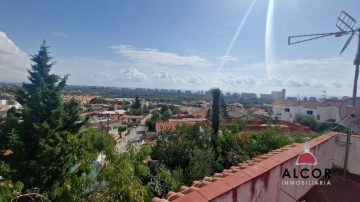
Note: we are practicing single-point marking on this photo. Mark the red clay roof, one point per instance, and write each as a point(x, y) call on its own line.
point(220, 183)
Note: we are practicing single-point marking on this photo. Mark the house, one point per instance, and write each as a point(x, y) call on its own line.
point(108, 126)
point(7, 104)
point(326, 111)
point(144, 103)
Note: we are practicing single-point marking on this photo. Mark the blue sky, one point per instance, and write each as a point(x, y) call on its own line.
point(237, 45)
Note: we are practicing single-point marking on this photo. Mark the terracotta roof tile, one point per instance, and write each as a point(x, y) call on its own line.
point(237, 179)
point(268, 164)
point(255, 170)
point(216, 189)
point(193, 196)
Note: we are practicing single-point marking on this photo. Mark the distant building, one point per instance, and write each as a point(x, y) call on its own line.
point(291, 98)
point(236, 95)
point(228, 94)
point(265, 96)
point(333, 98)
point(278, 95)
point(248, 95)
point(312, 99)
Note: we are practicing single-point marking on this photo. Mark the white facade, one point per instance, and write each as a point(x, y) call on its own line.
point(322, 112)
point(5, 104)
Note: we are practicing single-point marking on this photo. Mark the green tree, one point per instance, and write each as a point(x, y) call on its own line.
point(200, 164)
point(45, 143)
point(98, 100)
point(306, 121)
point(215, 115)
point(137, 104)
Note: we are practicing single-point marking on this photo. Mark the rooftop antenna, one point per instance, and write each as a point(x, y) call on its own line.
point(345, 23)
point(324, 95)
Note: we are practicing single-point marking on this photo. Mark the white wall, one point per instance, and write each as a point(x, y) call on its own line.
point(354, 154)
point(326, 113)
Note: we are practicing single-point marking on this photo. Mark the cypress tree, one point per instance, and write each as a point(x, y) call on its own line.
point(224, 113)
point(215, 115)
point(137, 104)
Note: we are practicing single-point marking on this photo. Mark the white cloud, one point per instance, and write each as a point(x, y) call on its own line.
point(154, 56)
point(296, 81)
point(58, 33)
point(197, 80)
point(239, 81)
point(134, 75)
point(227, 58)
point(13, 61)
point(164, 77)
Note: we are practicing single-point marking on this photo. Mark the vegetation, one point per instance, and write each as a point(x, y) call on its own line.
point(44, 151)
point(98, 100)
point(189, 151)
point(215, 114)
point(136, 104)
point(316, 126)
point(164, 114)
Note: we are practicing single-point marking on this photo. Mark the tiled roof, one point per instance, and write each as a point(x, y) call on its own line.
point(217, 185)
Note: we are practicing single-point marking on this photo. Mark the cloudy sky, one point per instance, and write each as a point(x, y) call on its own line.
point(237, 45)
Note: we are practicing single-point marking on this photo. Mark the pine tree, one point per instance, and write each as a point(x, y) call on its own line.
point(47, 124)
point(51, 153)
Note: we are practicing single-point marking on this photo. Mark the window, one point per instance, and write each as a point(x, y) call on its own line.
point(317, 117)
point(309, 112)
point(290, 115)
point(287, 109)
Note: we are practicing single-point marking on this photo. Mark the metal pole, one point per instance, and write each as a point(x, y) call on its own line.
point(348, 138)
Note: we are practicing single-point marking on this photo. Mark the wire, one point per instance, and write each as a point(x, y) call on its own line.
point(338, 124)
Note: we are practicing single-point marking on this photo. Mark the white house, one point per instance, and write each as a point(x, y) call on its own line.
point(7, 104)
point(326, 111)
